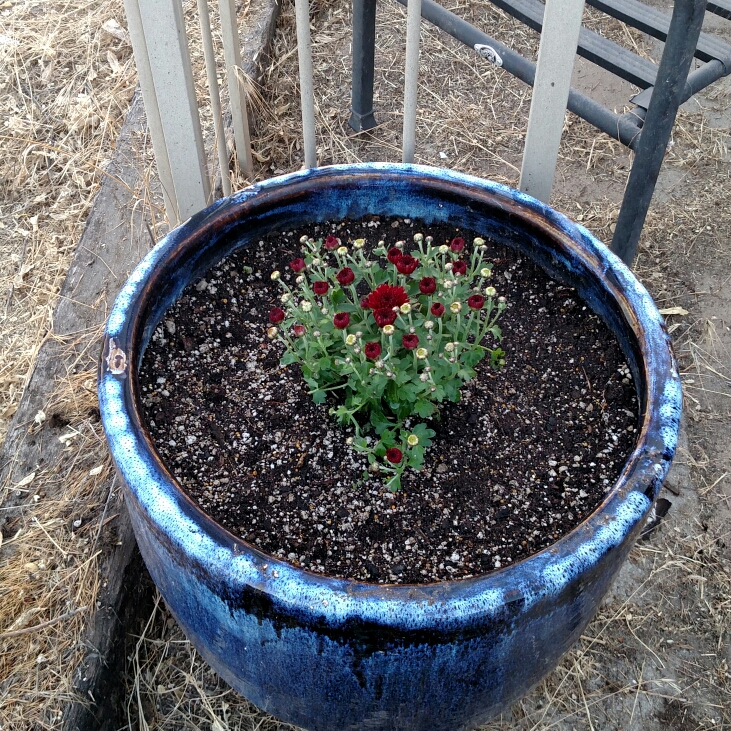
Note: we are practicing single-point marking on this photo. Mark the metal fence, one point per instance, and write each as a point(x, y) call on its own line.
point(161, 51)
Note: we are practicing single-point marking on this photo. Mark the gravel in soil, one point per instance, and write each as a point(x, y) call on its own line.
point(525, 455)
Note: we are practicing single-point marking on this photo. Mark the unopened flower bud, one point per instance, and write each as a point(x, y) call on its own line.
point(452, 360)
point(427, 369)
point(389, 330)
point(274, 275)
point(443, 249)
point(405, 308)
point(379, 364)
point(316, 262)
point(448, 266)
point(359, 243)
point(303, 239)
point(501, 300)
point(356, 349)
point(432, 389)
point(418, 237)
point(455, 307)
point(342, 250)
point(349, 441)
point(374, 468)
point(399, 244)
point(429, 239)
point(316, 333)
point(359, 334)
point(412, 440)
point(490, 291)
point(286, 297)
point(486, 272)
point(449, 347)
point(300, 279)
point(424, 377)
point(350, 339)
point(428, 325)
point(306, 305)
point(272, 332)
point(348, 360)
point(477, 241)
point(422, 353)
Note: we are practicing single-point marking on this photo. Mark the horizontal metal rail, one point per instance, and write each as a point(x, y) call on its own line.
point(617, 126)
point(595, 48)
point(720, 7)
point(656, 24)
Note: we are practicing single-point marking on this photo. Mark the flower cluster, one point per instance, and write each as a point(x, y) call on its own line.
point(397, 332)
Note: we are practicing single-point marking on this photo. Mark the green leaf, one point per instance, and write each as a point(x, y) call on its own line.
point(424, 409)
point(394, 484)
point(497, 358)
point(319, 397)
point(288, 357)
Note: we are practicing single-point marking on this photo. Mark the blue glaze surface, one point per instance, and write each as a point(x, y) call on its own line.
point(328, 653)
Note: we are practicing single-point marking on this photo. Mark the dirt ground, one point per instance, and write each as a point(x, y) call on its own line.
point(657, 655)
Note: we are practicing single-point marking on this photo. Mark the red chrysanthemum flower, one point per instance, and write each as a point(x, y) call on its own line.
point(345, 276)
point(372, 350)
point(406, 264)
point(394, 255)
point(320, 287)
point(297, 265)
point(409, 341)
point(298, 330)
point(341, 320)
point(437, 309)
point(384, 317)
point(364, 303)
point(459, 267)
point(276, 315)
point(394, 455)
point(387, 296)
point(331, 242)
point(428, 285)
point(476, 301)
point(457, 244)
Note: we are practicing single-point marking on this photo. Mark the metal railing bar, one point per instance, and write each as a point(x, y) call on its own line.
point(236, 90)
point(411, 80)
point(307, 92)
point(685, 27)
point(210, 58)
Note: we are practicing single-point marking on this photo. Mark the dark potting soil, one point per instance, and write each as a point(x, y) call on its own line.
point(525, 456)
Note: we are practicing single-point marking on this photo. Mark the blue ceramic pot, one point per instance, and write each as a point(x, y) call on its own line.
point(330, 654)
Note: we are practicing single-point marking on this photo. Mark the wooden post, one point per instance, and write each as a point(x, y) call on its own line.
point(307, 93)
point(210, 56)
point(152, 110)
point(236, 90)
point(166, 48)
point(411, 81)
point(556, 53)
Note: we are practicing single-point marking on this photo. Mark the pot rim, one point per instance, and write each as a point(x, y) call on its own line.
point(185, 527)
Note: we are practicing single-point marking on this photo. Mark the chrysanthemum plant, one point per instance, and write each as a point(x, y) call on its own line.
point(395, 332)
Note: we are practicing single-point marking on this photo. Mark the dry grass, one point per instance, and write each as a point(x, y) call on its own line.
point(631, 669)
point(68, 80)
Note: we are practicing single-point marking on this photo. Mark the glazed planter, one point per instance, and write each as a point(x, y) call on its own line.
point(331, 654)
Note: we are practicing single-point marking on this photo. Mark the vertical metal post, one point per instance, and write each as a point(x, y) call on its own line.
point(685, 27)
point(307, 93)
point(167, 49)
point(236, 91)
point(152, 110)
point(556, 54)
point(364, 45)
point(210, 56)
point(411, 82)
